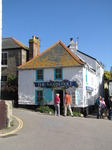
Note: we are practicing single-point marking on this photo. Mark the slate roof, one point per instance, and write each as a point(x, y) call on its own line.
point(58, 55)
point(12, 43)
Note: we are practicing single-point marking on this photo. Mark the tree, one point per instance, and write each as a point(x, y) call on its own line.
point(107, 75)
point(10, 90)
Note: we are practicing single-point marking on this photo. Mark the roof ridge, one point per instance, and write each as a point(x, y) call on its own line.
point(64, 46)
point(39, 55)
point(6, 37)
point(20, 43)
point(73, 55)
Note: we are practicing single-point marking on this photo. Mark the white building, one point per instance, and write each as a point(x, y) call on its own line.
point(59, 69)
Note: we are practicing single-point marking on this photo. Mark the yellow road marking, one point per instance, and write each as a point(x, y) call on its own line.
point(17, 129)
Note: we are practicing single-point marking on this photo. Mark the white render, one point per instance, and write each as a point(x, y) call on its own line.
point(89, 77)
point(27, 88)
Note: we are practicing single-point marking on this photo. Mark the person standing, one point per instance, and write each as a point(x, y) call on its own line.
point(67, 104)
point(57, 105)
point(110, 108)
point(103, 107)
point(98, 107)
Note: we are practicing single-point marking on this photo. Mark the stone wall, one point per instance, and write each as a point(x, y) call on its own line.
point(9, 117)
point(6, 116)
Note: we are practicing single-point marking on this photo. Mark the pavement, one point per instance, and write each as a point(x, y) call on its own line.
point(18, 124)
point(41, 131)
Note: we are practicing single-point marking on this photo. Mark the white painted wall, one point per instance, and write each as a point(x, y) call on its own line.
point(26, 88)
point(89, 96)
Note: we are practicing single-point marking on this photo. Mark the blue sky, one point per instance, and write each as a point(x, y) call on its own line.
point(53, 20)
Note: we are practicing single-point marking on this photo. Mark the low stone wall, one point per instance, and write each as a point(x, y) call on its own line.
point(6, 117)
point(9, 117)
point(2, 114)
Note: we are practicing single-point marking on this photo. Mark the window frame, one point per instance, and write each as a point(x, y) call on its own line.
point(3, 77)
point(39, 99)
point(37, 75)
point(6, 59)
point(58, 74)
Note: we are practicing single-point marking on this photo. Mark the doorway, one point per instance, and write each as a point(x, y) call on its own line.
point(60, 92)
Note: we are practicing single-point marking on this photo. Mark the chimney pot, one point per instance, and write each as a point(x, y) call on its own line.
point(34, 47)
point(71, 39)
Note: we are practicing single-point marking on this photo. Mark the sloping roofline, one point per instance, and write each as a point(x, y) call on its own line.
point(17, 42)
point(90, 57)
point(65, 47)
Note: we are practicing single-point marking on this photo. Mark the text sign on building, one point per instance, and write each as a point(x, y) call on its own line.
point(55, 84)
point(88, 88)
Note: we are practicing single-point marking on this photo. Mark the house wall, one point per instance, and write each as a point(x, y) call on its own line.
point(27, 89)
point(24, 56)
point(14, 60)
point(82, 75)
point(16, 57)
point(99, 80)
point(89, 81)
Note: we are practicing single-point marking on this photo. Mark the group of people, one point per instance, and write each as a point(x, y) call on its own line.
point(101, 107)
point(67, 104)
point(100, 103)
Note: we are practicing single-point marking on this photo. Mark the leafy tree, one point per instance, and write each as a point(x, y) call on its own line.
point(107, 75)
point(10, 90)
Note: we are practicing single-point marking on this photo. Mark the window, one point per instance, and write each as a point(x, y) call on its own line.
point(4, 78)
point(39, 74)
point(39, 97)
point(4, 58)
point(58, 74)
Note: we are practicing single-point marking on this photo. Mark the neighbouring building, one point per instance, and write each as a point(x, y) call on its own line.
point(14, 54)
point(59, 69)
point(110, 83)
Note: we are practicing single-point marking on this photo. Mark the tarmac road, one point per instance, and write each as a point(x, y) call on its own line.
point(45, 132)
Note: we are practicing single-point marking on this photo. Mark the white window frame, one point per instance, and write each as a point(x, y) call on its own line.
point(7, 60)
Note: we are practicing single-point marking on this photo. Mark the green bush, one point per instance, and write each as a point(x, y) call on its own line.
point(45, 109)
point(78, 114)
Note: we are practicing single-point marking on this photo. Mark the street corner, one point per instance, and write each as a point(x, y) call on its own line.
point(18, 124)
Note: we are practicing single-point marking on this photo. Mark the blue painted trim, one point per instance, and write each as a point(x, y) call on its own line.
point(36, 101)
point(86, 76)
point(35, 74)
point(55, 74)
point(48, 94)
point(42, 75)
point(35, 96)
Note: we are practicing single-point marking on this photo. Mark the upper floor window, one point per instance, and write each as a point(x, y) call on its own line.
point(4, 58)
point(39, 74)
point(58, 74)
point(4, 78)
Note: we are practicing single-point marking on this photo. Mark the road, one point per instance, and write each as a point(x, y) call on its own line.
point(46, 132)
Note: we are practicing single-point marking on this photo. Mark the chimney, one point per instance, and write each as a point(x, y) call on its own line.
point(34, 47)
point(73, 45)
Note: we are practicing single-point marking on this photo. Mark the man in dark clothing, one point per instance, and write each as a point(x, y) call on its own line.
point(98, 107)
point(110, 108)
